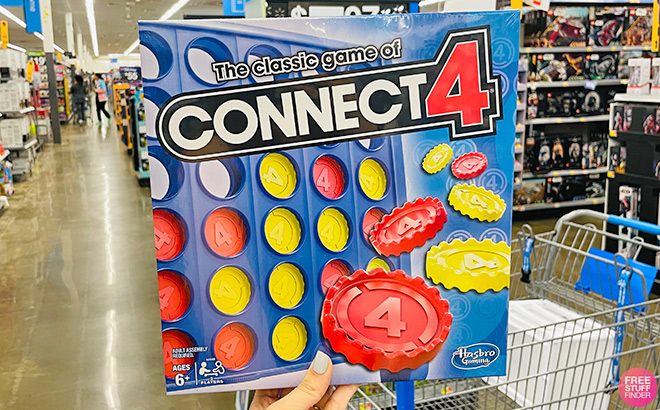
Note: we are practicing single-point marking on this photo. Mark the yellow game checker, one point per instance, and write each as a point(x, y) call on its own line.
point(477, 202)
point(437, 158)
point(470, 265)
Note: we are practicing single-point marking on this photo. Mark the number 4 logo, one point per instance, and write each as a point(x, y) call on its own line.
point(465, 93)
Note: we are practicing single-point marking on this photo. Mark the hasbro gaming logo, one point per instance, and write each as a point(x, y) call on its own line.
point(475, 356)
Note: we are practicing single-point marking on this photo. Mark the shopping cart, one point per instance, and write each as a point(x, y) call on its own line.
point(579, 318)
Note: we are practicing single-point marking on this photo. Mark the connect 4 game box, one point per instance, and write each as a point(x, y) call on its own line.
point(335, 184)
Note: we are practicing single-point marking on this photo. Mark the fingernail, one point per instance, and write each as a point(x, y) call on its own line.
point(320, 363)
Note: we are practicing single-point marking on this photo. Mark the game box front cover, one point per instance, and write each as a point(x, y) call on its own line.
point(335, 184)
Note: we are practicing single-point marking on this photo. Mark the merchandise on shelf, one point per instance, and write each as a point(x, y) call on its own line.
point(261, 245)
point(15, 131)
point(531, 191)
point(601, 66)
point(556, 67)
point(6, 179)
point(640, 75)
point(559, 27)
point(643, 118)
point(638, 26)
point(617, 162)
point(655, 79)
point(12, 64)
point(607, 28)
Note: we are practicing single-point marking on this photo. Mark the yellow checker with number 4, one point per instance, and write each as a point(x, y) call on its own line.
point(437, 158)
point(278, 175)
point(470, 265)
point(477, 202)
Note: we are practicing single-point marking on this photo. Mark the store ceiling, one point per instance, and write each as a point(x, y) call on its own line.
point(116, 21)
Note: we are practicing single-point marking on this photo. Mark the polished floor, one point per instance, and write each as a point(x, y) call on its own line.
point(79, 314)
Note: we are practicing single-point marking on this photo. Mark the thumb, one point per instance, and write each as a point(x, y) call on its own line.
point(311, 389)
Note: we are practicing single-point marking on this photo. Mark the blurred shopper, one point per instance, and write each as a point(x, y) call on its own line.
point(101, 97)
point(78, 97)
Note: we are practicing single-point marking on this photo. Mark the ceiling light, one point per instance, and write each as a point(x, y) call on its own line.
point(17, 48)
point(39, 36)
point(89, 5)
point(132, 47)
point(58, 48)
point(169, 13)
point(12, 17)
point(176, 7)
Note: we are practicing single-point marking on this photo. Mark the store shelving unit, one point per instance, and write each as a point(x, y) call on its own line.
point(521, 118)
point(592, 49)
point(568, 120)
point(564, 173)
point(62, 93)
point(577, 83)
point(555, 205)
point(140, 151)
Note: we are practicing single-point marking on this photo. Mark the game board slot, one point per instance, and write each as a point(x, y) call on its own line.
point(222, 179)
point(369, 220)
point(371, 144)
point(278, 175)
point(283, 230)
point(329, 177)
point(234, 346)
point(333, 229)
point(257, 53)
point(226, 232)
point(332, 272)
point(290, 338)
point(166, 175)
point(157, 57)
point(177, 360)
point(287, 285)
point(230, 290)
point(175, 294)
point(380, 262)
point(374, 179)
point(204, 51)
point(154, 98)
point(169, 235)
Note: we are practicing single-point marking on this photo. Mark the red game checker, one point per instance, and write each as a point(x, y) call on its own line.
point(408, 227)
point(371, 218)
point(331, 274)
point(174, 294)
point(234, 346)
point(385, 320)
point(469, 165)
point(169, 235)
point(328, 177)
point(225, 232)
point(177, 361)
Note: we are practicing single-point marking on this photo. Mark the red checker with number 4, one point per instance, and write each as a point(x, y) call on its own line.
point(328, 177)
point(225, 232)
point(174, 294)
point(234, 346)
point(168, 234)
point(385, 320)
point(331, 274)
point(175, 339)
point(408, 227)
point(469, 165)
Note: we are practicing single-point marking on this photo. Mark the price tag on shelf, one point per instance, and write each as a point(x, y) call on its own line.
point(4, 34)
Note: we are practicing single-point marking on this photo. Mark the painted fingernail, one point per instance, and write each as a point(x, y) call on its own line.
point(320, 363)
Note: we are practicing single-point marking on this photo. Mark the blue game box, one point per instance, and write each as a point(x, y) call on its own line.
point(335, 184)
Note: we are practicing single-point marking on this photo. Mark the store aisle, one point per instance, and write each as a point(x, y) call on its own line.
point(79, 314)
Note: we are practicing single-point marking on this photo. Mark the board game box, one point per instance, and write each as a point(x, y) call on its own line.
point(335, 184)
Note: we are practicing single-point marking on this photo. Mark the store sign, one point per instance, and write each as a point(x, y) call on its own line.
point(455, 90)
point(32, 16)
point(11, 3)
point(130, 74)
point(233, 7)
point(328, 9)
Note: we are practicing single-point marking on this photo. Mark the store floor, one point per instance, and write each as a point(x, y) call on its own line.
point(79, 315)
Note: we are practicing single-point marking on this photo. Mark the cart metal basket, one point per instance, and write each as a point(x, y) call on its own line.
point(578, 319)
